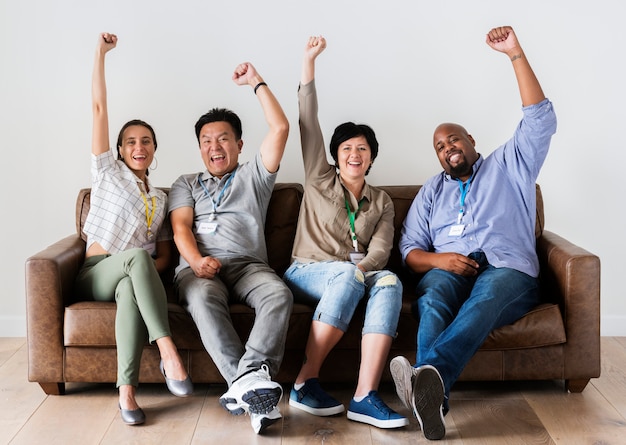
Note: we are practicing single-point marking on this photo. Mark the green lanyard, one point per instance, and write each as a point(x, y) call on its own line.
point(352, 217)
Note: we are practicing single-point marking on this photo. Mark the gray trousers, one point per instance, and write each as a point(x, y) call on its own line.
point(248, 282)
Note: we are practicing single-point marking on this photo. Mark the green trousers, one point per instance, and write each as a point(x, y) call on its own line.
point(131, 279)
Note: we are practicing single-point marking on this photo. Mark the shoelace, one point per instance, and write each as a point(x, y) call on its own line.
point(263, 372)
point(379, 404)
point(315, 391)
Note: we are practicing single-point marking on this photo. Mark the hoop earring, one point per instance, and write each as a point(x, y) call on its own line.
point(157, 164)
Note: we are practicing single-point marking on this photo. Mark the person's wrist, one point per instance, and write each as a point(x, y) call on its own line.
point(259, 85)
point(515, 54)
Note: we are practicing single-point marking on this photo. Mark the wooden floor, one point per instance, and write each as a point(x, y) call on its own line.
point(481, 413)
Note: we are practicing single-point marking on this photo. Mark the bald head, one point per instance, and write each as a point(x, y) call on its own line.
point(454, 147)
point(448, 128)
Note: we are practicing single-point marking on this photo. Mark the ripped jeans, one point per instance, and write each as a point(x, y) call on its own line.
point(337, 287)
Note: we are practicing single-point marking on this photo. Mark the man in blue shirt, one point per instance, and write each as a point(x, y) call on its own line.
point(470, 232)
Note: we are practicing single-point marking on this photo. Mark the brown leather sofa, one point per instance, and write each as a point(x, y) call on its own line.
point(70, 340)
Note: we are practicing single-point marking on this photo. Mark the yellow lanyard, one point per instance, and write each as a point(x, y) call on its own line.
point(149, 214)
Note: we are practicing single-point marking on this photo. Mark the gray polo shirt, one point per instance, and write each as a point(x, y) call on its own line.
point(238, 229)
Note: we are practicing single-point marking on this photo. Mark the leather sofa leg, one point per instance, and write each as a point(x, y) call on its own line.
point(52, 388)
point(576, 385)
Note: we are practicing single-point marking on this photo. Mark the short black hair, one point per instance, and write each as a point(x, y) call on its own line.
point(220, 115)
point(349, 130)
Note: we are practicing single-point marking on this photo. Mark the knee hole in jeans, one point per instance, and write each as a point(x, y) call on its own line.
point(358, 275)
point(387, 280)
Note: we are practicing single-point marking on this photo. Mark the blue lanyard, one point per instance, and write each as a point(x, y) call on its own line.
point(464, 187)
point(216, 203)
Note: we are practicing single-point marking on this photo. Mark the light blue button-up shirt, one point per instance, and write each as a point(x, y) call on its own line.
point(500, 205)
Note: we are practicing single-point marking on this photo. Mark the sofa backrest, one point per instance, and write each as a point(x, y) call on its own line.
point(280, 226)
point(282, 219)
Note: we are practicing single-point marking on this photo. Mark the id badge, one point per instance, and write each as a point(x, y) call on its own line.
point(456, 230)
point(150, 248)
point(207, 228)
point(356, 257)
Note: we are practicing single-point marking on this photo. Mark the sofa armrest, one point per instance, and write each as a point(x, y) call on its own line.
point(50, 276)
point(571, 276)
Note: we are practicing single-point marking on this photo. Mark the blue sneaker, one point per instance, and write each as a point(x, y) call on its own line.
point(374, 411)
point(314, 400)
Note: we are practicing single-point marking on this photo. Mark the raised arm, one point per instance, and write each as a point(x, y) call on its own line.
point(314, 47)
point(100, 132)
point(273, 145)
point(504, 40)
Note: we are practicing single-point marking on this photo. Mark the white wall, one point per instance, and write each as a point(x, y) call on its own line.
point(400, 66)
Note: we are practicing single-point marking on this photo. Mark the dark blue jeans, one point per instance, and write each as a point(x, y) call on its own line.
point(457, 313)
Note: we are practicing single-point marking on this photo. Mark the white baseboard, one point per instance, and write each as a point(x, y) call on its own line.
point(12, 326)
point(613, 326)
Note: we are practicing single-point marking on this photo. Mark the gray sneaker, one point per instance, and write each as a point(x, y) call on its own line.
point(428, 397)
point(403, 375)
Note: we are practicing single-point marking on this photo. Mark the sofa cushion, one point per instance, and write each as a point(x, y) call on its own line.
point(92, 323)
point(543, 326)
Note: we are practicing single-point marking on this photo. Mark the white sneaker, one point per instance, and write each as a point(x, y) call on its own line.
point(403, 376)
point(254, 392)
point(261, 421)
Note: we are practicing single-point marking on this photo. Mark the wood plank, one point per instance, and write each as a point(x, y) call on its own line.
point(481, 412)
point(20, 398)
point(612, 381)
point(218, 426)
point(303, 428)
point(410, 434)
point(496, 421)
point(81, 416)
point(169, 419)
point(577, 418)
point(9, 346)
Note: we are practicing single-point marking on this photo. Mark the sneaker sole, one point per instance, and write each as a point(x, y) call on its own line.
point(393, 423)
point(266, 422)
point(402, 373)
point(322, 412)
point(428, 396)
point(262, 400)
point(232, 406)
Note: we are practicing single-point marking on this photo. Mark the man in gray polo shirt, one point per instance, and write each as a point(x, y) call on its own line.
point(218, 218)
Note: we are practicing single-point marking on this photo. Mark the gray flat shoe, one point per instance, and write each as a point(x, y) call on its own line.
point(180, 388)
point(132, 416)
